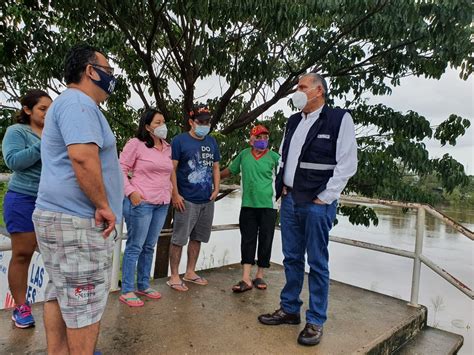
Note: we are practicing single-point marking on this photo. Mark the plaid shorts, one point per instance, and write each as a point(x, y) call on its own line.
point(79, 263)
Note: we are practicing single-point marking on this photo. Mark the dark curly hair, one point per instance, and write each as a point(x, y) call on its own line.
point(76, 62)
point(30, 99)
point(142, 133)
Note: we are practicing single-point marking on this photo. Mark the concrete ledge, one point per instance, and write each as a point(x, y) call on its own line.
point(433, 341)
point(213, 320)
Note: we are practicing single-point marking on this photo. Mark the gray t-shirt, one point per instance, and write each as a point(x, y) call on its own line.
point(74, 118)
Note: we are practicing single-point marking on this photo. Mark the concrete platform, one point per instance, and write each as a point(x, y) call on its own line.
point(213, 320)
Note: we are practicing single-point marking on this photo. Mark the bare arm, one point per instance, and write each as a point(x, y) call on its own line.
point(86, 164)
point(177, 199)
point(216, 177)
point(225, 173)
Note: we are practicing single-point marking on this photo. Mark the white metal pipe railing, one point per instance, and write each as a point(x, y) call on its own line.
point(449, 221)
point(374, 247)
point(447, 276)
point(411, 205)
point(417, 256)
point(114, 285)
point(114, 282)
point(415, 281)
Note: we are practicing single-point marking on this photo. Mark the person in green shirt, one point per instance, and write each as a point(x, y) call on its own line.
point(257, 166)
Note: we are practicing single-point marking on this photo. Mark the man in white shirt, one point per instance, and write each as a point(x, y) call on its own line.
point(318, 156)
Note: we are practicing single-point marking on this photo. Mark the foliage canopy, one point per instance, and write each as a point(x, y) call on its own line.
point(257, 49)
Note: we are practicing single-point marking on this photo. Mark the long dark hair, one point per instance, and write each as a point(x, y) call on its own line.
point(142, 133)
point(30, 99)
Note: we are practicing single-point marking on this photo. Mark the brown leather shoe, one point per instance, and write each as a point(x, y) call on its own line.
point(311, 334)
point(279, 317)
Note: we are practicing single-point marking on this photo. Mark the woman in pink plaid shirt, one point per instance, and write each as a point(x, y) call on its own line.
point(147, 171)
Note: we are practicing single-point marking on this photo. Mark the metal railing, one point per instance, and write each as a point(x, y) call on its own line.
point(417, 255)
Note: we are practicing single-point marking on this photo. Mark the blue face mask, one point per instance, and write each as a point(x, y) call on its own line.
point(107, 82)
point(260, 144)
point(202, 131)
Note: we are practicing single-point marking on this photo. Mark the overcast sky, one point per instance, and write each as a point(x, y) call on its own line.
point(434, 99)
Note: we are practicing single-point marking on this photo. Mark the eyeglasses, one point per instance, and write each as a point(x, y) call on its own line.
point(108, 70)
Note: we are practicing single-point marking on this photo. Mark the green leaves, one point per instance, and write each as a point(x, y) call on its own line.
point(256, 50)
point(450, 172)
point(359, 215)
point(451, 129)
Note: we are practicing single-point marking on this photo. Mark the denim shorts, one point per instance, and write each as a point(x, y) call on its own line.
point(17, 211)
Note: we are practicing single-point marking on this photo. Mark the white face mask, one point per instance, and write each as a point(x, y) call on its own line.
point(161, 131)
point(300, 99)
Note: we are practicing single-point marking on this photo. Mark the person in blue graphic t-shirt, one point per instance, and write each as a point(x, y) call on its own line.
point(195, 157)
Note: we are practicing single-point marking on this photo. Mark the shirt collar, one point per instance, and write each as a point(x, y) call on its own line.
point(165, 144)
point(312, 115)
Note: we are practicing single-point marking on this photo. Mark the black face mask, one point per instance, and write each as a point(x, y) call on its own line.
point(106, 82)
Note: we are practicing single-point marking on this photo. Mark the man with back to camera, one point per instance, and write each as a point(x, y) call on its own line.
point(79, 202)
point(319, 155)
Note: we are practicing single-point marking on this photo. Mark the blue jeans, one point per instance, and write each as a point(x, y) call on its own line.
point(144, 224)
point(305, 229)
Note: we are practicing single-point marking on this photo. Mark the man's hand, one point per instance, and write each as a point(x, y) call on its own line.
point(214, 195)
point(105, 216)
point(135, 198)
point(319, 202)
point(178, 202)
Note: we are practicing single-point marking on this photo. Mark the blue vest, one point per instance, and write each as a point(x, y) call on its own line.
point(317, 160)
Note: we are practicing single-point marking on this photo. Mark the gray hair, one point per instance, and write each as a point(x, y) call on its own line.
point(317, 80)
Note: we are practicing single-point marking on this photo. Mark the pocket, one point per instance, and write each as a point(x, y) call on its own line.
point(332, 211)
point(320, 176)
point(82, 291)
point(136, 206)
point(44, 228)
point(140, 210)
point(323, 146)
point(318, 209)
point(87, 259)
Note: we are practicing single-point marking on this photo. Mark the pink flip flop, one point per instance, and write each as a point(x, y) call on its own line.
point(150, 293)
point(131, 301)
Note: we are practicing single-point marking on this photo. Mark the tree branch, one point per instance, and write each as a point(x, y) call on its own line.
point(138, 89)
point(146, 57)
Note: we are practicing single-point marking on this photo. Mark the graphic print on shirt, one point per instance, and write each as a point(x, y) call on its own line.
point(200, 165)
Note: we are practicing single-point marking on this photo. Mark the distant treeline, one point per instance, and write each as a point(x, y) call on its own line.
point(461, 196)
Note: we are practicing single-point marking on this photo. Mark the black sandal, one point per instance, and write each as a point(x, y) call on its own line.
point(242, 286)
point(259, 284)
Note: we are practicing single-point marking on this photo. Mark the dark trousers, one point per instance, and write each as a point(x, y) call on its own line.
point(257, 223)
